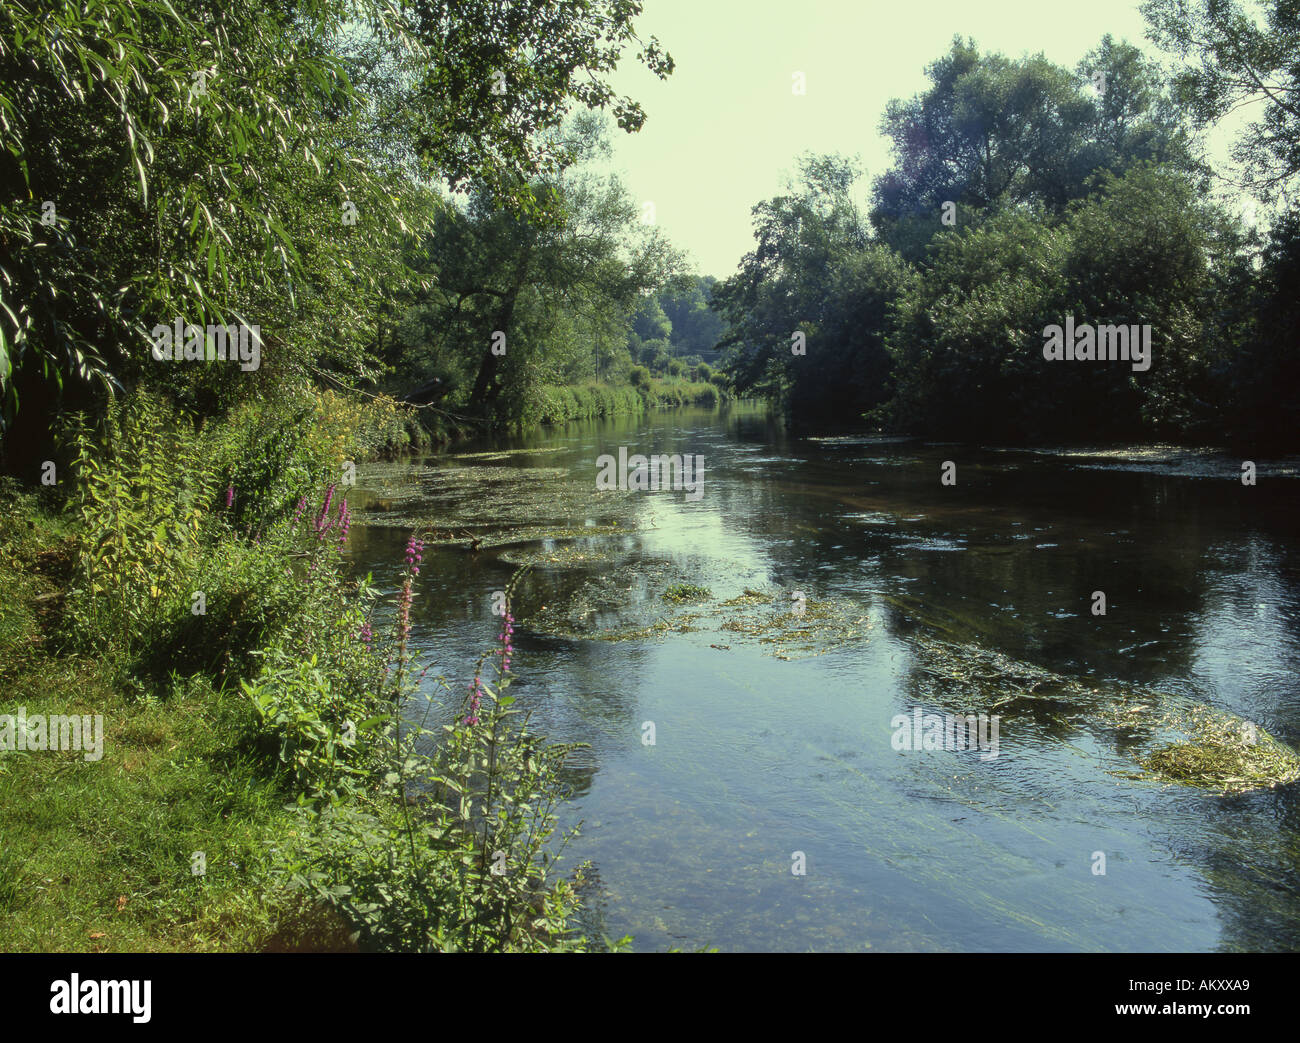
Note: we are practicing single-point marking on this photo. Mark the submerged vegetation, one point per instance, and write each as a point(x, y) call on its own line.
point(679, 592)
point(1226, 755)
point(1172, 738)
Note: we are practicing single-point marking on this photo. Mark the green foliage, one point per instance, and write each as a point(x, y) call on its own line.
point(325, 734)
point(524, 301)
point(968, 339)
point(143, 493)
point(686, 592)
point(267, 165)
point(1239, 55)
point(151, 489)
point(418, 838)
point(1073, 193)
point(1255, 360)
point(814, 281)
point(696, 328)
point(423, 838)
point(993, 133)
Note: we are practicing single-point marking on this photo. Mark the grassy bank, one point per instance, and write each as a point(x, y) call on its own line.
point(591, 401)
point(254, 786)
point(101, 855)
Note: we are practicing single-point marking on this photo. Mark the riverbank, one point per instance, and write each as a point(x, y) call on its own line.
point(162, 843)
point(562, 404)
point(176, 835)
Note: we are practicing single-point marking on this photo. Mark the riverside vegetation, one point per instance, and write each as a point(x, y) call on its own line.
point(262, 785)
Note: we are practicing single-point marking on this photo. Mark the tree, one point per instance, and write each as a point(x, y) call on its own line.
point(993, 133)
point(806, 311)
point(527, 296)
point(1240, 54)
point(969, 336)
point(696, 328)
point(203, 161)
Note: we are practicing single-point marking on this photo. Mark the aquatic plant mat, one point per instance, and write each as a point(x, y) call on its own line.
point(591, 580)
point(481, 505)
point(1170, 737)
point(608, 608)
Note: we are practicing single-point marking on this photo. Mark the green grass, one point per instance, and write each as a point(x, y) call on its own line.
point(97, 856)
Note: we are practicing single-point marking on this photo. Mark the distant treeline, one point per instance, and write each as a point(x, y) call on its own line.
point(1024, 195)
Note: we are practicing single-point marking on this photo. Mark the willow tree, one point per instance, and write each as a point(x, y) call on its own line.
point(257, 162)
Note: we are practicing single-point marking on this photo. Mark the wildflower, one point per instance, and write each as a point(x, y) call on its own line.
point(414, 554)
point(476, 697)
point(322, 519)
point(345, 522)
point(507, 645)
point(230, 495)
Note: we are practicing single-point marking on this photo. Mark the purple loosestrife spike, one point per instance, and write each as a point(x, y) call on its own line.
point(476, 696)
point(345, 523)
point(230, 495)
point(323, 519)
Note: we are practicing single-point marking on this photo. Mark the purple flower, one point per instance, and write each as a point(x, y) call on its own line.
point(345, 522)
point(414, 555)
point(230, 495)
point(322, 519)
point(476, 697)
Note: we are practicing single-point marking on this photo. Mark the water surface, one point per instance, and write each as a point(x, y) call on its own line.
point(770, 745)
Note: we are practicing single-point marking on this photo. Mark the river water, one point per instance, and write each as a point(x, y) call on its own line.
point(845, 590)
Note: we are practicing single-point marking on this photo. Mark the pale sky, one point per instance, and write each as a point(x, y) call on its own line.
point(725, 128)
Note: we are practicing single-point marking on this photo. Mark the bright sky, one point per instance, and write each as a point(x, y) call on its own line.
point(725, 128)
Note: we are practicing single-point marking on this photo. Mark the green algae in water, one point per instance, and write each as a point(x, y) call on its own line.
point(680, 592)
point(790, 629)
point(1223, 754)
point(796, 629)
point(1171, 738)
point(494, 505)
point(567, 555)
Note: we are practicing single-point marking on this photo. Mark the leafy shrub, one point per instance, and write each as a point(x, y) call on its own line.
point(143, 492)
point(450, 850)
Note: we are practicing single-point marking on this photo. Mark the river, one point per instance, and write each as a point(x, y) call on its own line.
point(849, 590)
